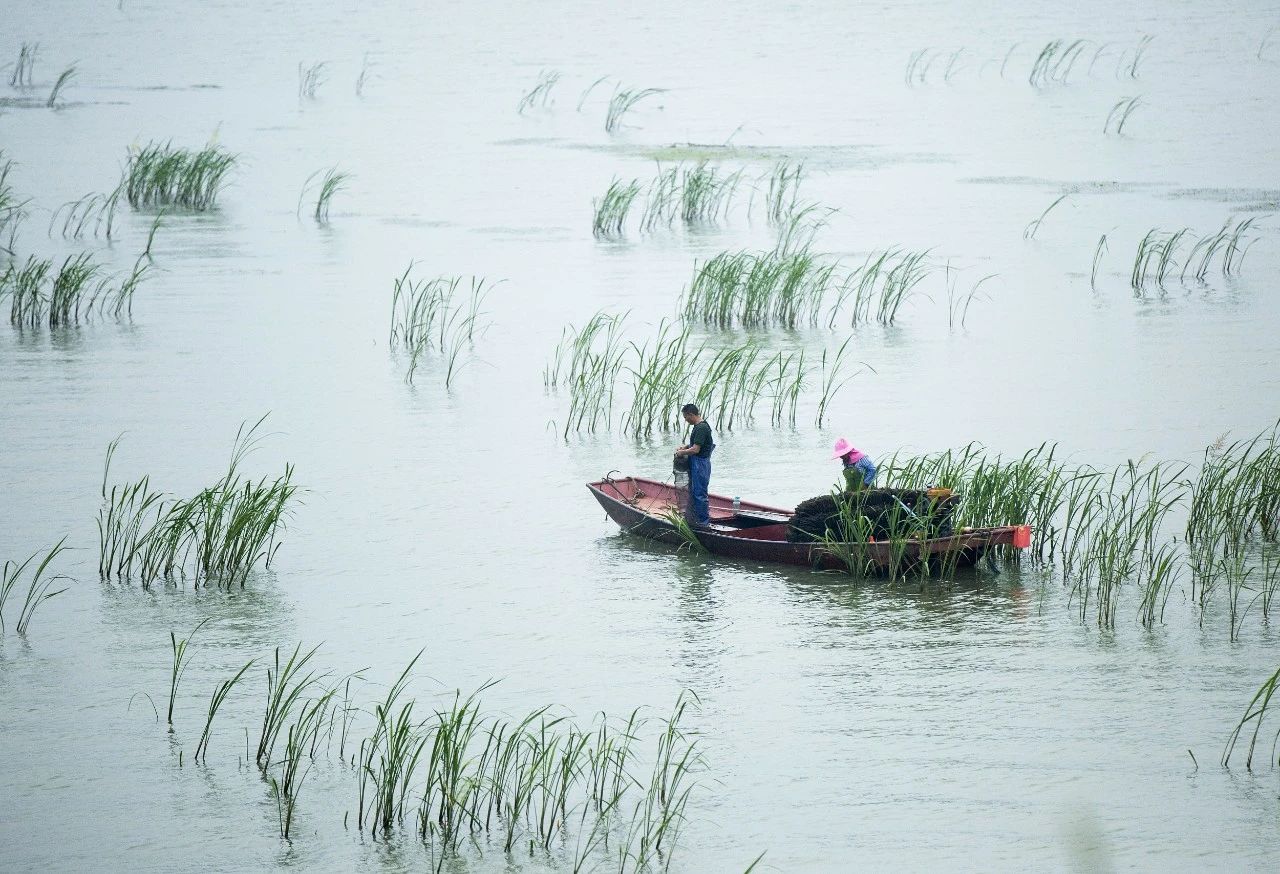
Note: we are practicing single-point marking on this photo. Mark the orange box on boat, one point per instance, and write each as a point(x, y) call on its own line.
point(1021, 536)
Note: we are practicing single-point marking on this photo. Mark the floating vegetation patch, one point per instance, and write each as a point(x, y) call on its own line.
point(40, 582)
point(1164, 254)
point(458, 777)
point(218, 536)
point(540, 94)
point(1142, 526)
point(640, 387)
point(77, 291)
point(429, 316)
point(160, 174)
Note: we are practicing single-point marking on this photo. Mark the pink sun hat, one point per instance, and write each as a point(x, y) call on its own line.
point(844, 447)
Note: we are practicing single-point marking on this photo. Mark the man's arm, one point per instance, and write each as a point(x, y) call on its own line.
point(691, 449)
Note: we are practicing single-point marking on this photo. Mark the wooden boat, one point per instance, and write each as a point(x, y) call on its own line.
point(758, 532)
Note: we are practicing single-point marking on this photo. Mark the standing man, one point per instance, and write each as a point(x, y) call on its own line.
point(698, 450)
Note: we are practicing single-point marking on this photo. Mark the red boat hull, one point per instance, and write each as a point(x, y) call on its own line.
point(758, 532)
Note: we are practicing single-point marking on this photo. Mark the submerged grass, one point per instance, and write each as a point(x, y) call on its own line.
point(612, 208)
point(311, 77)
point(13, 210)
point(1119, 115)
point(1162, 254)
point(332, 182)
point(94, 213)
point(160, 174)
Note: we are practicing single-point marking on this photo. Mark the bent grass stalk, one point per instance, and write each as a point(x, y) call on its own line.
point(63, 80)
point(180, 662)
point(1029, 232)
point(311, 77)
point(220, 693)
point(25, 65)
point(1119, 115)
point(37, 588)
point(1256, 713)
point(540, 94)
point(612, 208)
point(334, 180)
point(622, 102)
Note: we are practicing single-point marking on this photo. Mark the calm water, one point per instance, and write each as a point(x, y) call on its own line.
point(977, 724)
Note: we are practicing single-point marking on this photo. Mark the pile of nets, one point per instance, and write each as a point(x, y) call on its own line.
point(879, 513)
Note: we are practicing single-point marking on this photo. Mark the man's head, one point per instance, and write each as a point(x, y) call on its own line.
point(691, 413)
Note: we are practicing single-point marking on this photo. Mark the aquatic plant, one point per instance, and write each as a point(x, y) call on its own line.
point(333, 181)
point(27, 52)
point(1159, 251)
point(689, 538)
point(759, 289)
point(79, 289)
point(880, 286)
point(219, 535)
point(425, 318)
point(612, 208)
point(1097, 258)
point(958, 305)
point(1129, 65)
point(1256, 713)
point(220, 693)
point(1054, 63)
point(705, 195)
point(94, 212)
point(582, 98)
point(38, 585)
point(13, 211)
point(300, 745)
point(180, 662)
point(1029, 232)
point(63, 80)
point(783, 192)
point(286, 686)
point(365, 70)
point(540, 94)
point(159, 174)
point(311, 77)
point(622, 102)
point(1119, 115)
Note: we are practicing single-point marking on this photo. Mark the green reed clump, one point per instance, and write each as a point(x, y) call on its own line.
point(332, 182)
point(428, 317)
point(1236, 498)
point(287, 686)
point(612, 208)
point(38, 584)
point(587, 361)
point(540, 94)
point(705, 194)
point(220, 535)
point(63, 80)
point(1159, 253)
point(778, 287)
point(301, 741)
point(79, 290)
point(649, 382)
point(622, 102)
point(877, 289)
point(160, 174)
point(1055, 62)
point(20, 77)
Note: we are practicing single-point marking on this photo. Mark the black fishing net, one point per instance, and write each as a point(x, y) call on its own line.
point(880, 513)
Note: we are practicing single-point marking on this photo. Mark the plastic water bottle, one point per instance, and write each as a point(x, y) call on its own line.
point(737, 503)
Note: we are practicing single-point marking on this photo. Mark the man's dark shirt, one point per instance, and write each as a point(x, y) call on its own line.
point(701, 435)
